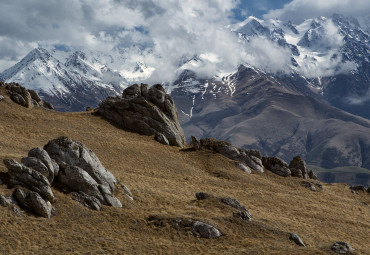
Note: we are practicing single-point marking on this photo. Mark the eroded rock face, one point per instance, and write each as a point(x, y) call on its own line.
point(26, 97)
point(67, 152)
point(277, 166)
point(147, 111)
point(29, 178)
point(33, 202)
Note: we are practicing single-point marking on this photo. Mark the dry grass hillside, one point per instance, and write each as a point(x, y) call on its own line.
point(163, 181)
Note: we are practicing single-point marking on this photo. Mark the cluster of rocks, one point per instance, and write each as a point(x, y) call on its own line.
point(195, 227)
point(147, 111)
point(240, 212)
point(313, 186)
point(249, 160)
point(70, 165)
point(357, 188)
point(25, 97)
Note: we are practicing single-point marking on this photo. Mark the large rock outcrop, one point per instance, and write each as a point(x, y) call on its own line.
point(147, 111)
point(26, 97)
point(66, 162)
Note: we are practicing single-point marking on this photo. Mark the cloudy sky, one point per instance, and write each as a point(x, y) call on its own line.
point(173, 28)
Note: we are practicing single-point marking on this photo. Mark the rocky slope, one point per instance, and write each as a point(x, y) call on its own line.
point(254, 213)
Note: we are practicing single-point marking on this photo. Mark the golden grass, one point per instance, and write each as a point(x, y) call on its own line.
point(163, 181)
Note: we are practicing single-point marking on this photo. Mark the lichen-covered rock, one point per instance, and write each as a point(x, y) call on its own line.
point(342, 248)
point(145, 110)
point(295, 238)
point(205, 230)
point(298, 168)
point(29, 178)
point(276, 165)
point(34, 202)
point(72, 153)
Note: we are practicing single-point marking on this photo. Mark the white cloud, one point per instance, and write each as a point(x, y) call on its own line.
point(298, 10)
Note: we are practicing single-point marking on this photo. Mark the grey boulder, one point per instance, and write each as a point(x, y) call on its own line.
point(1, 97)
point(145, 110)
point(276, 165)
point(4, 201)
point(29, 178)
point(67, 152)
point(77, 179)
point(205, 230)
point(342, 248)
point(34, 202)
point(295, 238)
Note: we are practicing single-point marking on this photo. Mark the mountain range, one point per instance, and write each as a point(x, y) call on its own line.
point(316, 107)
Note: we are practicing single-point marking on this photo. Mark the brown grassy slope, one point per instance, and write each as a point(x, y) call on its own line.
point(164, 180)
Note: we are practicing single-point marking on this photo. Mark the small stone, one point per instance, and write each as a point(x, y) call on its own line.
point(16, 211)
point(354, 192)
point(4, 201)
point(205, 230)
point(127, 192)
point(1, 97)
point(243, 167)
point(295, 238)
point(341, 247)
point(202, 195)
